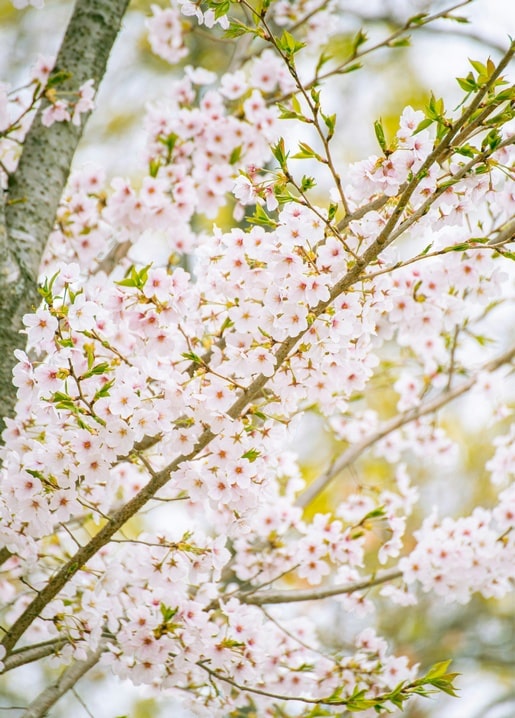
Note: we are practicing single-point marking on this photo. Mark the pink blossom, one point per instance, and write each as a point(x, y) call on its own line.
point(42, 68)
point(165, 34)
point(244, 190)
point(41, 327)
point(233, 85)
point(56, 112)
point(85, 102)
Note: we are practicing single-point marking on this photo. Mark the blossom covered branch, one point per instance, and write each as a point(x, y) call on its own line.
point(152, 501)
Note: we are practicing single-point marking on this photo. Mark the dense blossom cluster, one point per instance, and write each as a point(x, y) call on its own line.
point(455, 558)
point(171, 368)
point(196, 148)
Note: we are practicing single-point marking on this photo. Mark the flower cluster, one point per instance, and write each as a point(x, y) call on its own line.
point(171, 362)
point(457, 557)
point(64, 110)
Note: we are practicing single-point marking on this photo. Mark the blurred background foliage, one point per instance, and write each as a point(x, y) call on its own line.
point(479, 636)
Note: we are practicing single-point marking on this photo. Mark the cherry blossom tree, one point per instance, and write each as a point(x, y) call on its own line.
point(165, 337)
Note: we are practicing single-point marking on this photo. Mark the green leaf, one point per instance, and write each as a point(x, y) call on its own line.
point(261, 217)
point(296, 104)
point(127, 282)
point(401, 42)
point(505, 95)
point(135, 278)
point(438, 669)
point(359, 39)
point(375, 513)
point(289, 45)
point(378, 129)
point(441, 131)
point(36, 474)
point(60, 396)
point(167, 612)
point(82, 424)
point(445, 686)
point(307, 183)
point(417, 19)
point(435, 108)
point(260, 415)
point(492, 140)
point(280, 154)
point(287, 114)
point(237, 28)
point(307, 152)
point(221, 8)
point(46, 289)
point(330, 123)
point(500, 119)
point(251, 455)
point(462, 247)
point(169, 141)
point(422, 125)
point(96, 370)
point(351, 68)
point(478, 66)
point(482, 340)
point(466, 151)
point(58, 78)
point(361, 704)
point(235, 155)
point(315, 96)
point(153, 167)
point(191, 356)
point(458, 18)
point(467, 83)
point(69, 405)
point(103, 392)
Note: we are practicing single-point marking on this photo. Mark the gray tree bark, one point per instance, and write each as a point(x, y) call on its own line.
point(28, 206)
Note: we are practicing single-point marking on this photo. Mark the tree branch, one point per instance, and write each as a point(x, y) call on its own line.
point(355, 451)
point(35, 188)
point(464, 33)
point(49, 697)
point(316, 594)
point(158, 480)
point(398, 32)
point(503, 236)
point(29, 654)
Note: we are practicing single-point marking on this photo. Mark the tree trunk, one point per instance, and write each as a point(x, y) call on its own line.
point(28, 207)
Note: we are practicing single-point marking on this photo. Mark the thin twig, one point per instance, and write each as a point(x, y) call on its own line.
point(316, 594)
